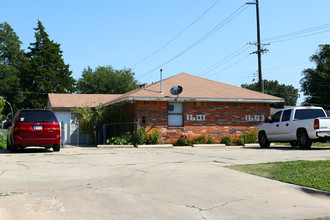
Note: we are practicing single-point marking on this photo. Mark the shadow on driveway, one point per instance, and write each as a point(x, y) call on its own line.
point(315, 192)
point(27, 150)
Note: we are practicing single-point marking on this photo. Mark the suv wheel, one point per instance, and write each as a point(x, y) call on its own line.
point(8, 145)
point(13, 148)
point(56, 147)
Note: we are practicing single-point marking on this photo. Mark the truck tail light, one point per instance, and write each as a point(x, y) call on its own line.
point(316, 124)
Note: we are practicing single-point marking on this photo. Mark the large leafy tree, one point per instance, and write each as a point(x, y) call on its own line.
point(288, 92)
point(45, 71)
point(316, 81)
point(12, 61)
point(106, 80)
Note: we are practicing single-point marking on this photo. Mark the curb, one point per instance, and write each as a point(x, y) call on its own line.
point(156, 146)
point(115, 146)
point(209, 145)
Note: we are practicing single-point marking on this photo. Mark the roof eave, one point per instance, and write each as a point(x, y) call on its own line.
point(183, 99)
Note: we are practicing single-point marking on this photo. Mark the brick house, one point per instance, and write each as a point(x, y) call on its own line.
point(204, 107)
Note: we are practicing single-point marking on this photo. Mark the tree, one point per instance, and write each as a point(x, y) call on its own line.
point(288, 92)
point(45, 71)
point(12, 61)
point(316, 81)
point(106, 80)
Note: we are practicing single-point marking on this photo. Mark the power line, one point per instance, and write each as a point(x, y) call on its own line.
point(240, 60)
point(225, 60)
point(204, 37)
point(176, 36)
point(302, 33)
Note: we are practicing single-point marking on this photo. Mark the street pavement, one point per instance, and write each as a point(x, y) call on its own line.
point(150, 183)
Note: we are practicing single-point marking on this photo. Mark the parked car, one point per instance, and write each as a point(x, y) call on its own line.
point(38, 127)
point(301, 126)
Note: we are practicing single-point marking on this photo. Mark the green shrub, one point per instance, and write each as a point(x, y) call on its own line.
point(117, 141)
point(200, 140)
point(139, 137)
point(184, 141)
point(239, 140)
point(153, 137)
point(211, 140)
point(3, 142)
point(250, 136)
point(226, 140)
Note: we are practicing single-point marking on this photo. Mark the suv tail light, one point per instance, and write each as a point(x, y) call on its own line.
point(52, 128)
point(316, 124)
point(23, 128)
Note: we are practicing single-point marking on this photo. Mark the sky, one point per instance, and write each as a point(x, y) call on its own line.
point(207, 38)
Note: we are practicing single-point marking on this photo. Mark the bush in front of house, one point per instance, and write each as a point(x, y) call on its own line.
point(153, 137)
point(250, 136)
point(200, 140)
point(125, 139)
point(211, 140)
point(239, 140)
point(226, 140)
point(184, 141)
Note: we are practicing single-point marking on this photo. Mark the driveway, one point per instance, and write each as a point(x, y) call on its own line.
point(176, 183)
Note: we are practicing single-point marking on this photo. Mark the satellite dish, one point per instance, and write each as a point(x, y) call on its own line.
point(176, 90)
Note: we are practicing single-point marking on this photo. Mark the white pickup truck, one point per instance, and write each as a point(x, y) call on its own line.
point(301, 126)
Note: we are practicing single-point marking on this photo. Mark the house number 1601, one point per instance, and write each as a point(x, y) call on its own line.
point(199, 117)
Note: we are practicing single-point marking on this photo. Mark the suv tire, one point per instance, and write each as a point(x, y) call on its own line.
point(56, 147)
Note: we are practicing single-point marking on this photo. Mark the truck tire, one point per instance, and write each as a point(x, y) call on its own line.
point(294, 143)
point(303, 140)
point(263, 141)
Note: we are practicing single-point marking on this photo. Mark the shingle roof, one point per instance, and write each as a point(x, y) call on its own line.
point(196, 89)
point(70, 101)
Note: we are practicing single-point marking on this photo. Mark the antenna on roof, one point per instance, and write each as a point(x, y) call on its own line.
point(161, 81)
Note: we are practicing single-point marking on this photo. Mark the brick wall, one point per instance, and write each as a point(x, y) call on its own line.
point(213, 119)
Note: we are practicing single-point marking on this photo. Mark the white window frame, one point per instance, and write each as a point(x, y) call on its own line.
point(175, 116)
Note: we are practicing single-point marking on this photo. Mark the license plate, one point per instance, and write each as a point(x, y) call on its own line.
point(38, 128)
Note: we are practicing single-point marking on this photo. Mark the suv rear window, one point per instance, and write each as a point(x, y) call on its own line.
point(302, 114)
point(36, 116)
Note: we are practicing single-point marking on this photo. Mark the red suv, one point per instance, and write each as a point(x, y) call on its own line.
point(37, 127)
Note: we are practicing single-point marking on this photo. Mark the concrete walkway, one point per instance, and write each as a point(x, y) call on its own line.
point(149, 183)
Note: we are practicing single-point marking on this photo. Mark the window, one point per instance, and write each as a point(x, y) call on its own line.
point(302, 114)
point(276, 117)
point(286, 115)
point(175, 114)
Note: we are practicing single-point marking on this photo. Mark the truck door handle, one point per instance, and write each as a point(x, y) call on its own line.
point(287, 124)
point(277, 125)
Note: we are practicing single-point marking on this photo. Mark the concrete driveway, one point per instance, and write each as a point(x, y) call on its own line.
point(177, 183)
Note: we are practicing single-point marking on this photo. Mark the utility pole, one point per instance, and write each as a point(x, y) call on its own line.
point(259, 49)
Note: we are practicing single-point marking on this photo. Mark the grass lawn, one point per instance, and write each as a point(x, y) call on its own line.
point(314, 174)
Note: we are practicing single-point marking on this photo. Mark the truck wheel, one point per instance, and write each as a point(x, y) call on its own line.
point(294, 143)
point(263, 141)
point(56, 147)
point(303, 140)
